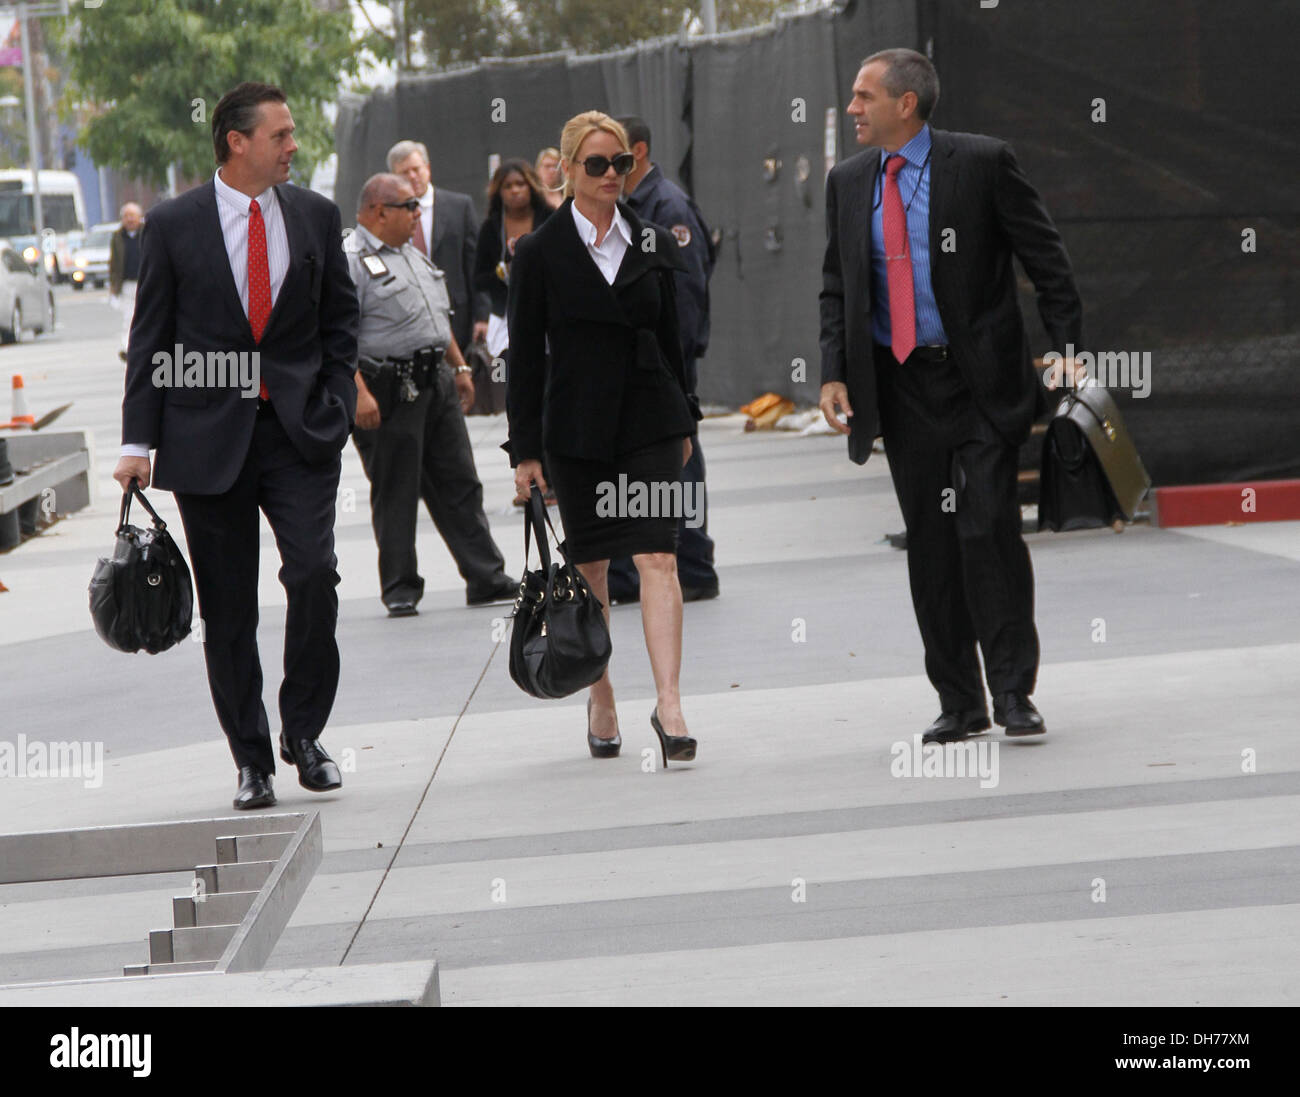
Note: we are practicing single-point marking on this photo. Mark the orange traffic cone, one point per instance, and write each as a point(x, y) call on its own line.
point(21, 417)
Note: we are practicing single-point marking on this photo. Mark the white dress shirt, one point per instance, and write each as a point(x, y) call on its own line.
point(609, 253)
point(426, 219)
point(233, 212)
point(233, 209)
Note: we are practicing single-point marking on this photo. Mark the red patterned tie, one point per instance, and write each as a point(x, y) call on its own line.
point(418, 241)
point(259, 278)
point(898, 264)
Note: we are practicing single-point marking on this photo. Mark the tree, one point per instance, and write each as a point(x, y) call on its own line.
point(455, 31)
point(156, 76)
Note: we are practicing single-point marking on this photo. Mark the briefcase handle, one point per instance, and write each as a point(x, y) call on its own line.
point(125, 513)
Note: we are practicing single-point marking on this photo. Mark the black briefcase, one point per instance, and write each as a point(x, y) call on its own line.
point(142, 598)
point(559, 643)
point(489, 394)
point(1091, 473)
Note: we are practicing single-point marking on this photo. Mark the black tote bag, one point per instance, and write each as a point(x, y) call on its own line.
point(142, 598)
point(559, 642)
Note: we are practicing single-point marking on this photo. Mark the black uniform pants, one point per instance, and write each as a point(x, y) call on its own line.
point(422, 451)
point(694, 545)
point(970, 573)
point(223, 533)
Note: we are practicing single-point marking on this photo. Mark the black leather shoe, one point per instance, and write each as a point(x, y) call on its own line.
point(1016, 713)
point(403, 609)
point(699, 594)
point(316, 769)
point(601, 748)
point(254, 789)
point(952, 727)
point(676, 748)
point(506, 592)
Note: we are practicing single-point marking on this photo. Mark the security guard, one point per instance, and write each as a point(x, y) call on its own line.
point(410, 406)
point(655, 198)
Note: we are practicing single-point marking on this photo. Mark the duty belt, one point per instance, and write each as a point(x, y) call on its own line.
point(415, 372)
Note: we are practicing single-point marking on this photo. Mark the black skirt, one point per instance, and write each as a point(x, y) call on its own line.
point(622, 507)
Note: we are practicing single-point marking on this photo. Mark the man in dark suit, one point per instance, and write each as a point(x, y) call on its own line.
point(922, 337)
point(249, 271)
point(446, 231)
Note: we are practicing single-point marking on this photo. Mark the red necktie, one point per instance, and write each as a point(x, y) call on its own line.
point(259, 278)
point(898, 264)
point(420, 245)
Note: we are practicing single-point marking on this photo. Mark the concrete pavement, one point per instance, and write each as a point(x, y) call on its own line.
point(1146, 851)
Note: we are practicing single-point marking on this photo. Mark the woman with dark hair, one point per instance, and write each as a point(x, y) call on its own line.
point(516, 206)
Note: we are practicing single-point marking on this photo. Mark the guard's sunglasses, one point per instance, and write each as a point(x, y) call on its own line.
point(410, 205)
point(596, 166)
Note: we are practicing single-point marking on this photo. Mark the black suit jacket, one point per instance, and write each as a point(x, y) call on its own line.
point(615, 380)
point(490, 252)
point(978, 190)
point(186, 297)
point(455, 243)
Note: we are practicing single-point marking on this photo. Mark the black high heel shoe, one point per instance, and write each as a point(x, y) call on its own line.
point(677, 748)
point(601, 748)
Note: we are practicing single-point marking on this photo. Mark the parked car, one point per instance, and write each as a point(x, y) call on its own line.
point(90, 257)
point(21, 307)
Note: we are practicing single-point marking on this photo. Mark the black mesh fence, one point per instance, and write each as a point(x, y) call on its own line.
point(1163, 137)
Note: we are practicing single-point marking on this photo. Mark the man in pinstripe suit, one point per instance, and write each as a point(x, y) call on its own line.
point(922, 341)
point(252, 267)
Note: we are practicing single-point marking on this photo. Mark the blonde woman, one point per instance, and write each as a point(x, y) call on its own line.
point(547, 168)
point(610, 405)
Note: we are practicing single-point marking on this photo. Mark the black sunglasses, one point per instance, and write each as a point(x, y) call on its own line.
point(410, 205)
point(596, 166)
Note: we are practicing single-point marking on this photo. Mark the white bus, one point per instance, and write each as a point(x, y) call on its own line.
point(63, 211)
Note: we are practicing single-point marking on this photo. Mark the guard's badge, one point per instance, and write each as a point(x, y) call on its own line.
point(682, 234)
point(374, 265)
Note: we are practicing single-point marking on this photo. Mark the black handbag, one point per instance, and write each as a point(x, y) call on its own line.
point(559, 642)
point(142, 597)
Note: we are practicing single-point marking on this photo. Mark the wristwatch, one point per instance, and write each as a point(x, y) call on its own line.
point(463, 369)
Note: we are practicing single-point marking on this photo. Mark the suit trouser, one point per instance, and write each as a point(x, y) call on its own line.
point(970, 573)
point(223, 534)
point(694, 545)
point(422, 451)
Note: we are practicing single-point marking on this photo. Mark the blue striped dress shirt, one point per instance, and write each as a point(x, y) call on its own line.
point(914, 187)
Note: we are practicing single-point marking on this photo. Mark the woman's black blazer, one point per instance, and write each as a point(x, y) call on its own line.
point(614, 381)
point(488, 255)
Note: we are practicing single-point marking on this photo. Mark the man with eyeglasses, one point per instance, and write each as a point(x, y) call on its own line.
point(410, 428)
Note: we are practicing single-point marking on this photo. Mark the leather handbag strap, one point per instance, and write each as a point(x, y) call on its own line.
point(536, 522)
point(125, 512)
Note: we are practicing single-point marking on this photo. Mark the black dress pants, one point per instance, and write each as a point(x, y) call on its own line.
point(223, 534)
point(422, 451)
point(971, 578)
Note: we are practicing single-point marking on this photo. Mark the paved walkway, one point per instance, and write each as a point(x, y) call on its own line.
point(800, 859)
